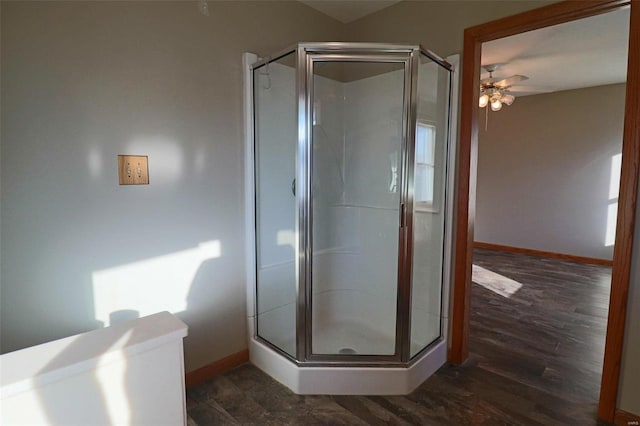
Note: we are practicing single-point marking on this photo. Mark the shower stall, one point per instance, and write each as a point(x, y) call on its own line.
point(348, 205)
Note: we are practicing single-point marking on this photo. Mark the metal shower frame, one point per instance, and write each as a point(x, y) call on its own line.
point(307, 54)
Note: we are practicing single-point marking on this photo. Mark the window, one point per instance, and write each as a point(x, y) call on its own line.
point(425, 165)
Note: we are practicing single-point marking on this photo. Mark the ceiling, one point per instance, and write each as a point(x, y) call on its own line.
point(347, 11)
point(584, 53)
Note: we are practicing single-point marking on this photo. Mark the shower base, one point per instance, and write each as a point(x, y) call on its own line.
point(337, 336)
point(353, 380)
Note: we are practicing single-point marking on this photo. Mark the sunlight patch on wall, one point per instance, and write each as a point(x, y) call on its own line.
point(152, 285)
point(614, 180)
point(612, 221)
point(612, 208)
point(499, 284)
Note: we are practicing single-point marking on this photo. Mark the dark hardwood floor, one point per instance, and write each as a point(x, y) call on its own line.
point(536, 358)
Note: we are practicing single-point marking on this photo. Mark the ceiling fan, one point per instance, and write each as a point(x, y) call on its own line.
point(495, 91)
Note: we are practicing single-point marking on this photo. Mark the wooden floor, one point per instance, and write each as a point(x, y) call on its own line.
point(536, 358)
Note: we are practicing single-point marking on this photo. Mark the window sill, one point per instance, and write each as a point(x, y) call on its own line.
point(425, 208)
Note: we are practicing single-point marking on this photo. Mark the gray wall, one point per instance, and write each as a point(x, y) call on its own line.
point(544, 171)
point(85, 81)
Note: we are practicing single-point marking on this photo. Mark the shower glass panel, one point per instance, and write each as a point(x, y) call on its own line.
point(275, 125)
point(356, 166)
point(430, 171)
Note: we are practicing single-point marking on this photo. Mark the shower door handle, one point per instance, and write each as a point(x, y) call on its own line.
point(402, 216)
point(293, 187)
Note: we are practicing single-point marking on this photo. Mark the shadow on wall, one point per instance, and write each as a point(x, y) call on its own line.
point(112, 389)
point(219, 327)
point(185, 283)
point(97, 404)
point(161, 283)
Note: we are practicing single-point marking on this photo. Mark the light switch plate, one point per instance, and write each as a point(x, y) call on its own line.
point(133, 169)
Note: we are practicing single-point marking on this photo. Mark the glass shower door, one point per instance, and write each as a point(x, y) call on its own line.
point(356, 174)
point(429, 202)
point(276, 231)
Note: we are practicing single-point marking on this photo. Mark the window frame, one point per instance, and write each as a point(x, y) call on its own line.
point(425, 206)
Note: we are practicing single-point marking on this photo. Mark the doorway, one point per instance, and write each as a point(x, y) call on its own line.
point(467, 169)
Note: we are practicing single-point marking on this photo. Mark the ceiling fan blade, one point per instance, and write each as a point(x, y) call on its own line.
point(490, 80)
point(529, 90)
point(510, 80)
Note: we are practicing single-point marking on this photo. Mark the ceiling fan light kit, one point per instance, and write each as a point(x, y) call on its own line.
point(495, 92)
point(495, 97)
point(508, 99)
point(484, 100)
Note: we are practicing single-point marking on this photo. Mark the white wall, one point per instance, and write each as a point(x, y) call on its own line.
point(85, 81)
point(546, 170)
